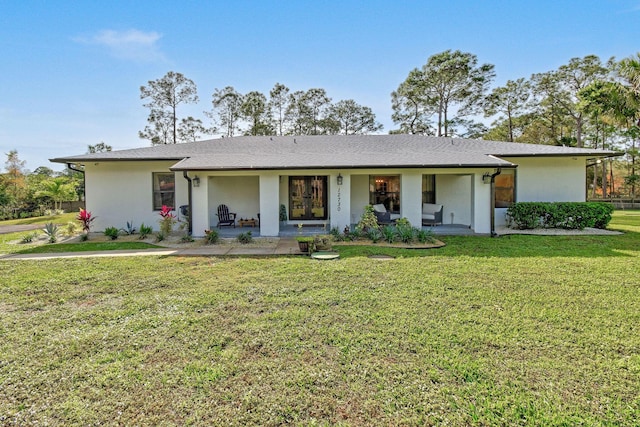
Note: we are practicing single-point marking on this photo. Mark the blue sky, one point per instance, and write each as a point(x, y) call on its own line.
point(70, 72)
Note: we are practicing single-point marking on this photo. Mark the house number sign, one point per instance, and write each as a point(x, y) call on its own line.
point(339, 199)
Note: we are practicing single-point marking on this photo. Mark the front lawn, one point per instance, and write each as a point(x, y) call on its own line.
point(517, 330)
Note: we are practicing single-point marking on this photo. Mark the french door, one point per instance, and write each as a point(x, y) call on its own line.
point(307, 197)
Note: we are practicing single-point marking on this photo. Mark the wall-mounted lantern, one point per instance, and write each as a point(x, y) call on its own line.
point(339, 179)
point(196, 181)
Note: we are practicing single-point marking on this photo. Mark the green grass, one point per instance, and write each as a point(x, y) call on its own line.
point(86, 247)
point(58, 219)
point(518, 330)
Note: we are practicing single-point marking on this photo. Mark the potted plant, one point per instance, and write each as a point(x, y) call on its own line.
point(305, 244)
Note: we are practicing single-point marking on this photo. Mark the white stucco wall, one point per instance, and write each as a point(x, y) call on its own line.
point(359, 196)
point(453, 192)
point(550, 179)
point(241, 194)
point(117, 192)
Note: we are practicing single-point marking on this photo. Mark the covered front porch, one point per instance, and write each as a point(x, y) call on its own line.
point(314, 201)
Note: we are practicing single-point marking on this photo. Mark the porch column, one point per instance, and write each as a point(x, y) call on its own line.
point(269, 204)
point(200, 207)
point(340, 205)
point(411, 197)
point(481, 205)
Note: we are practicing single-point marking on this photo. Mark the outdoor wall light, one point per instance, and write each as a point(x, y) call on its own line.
point(486, 178)
point(196, 181)
point(339, 179)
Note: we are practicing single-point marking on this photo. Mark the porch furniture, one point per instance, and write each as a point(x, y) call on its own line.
point(383, 216)
point(225, 217)
point(248, 223)
point(431, 214)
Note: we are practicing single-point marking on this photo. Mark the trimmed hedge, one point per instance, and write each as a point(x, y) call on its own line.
point(567, 215)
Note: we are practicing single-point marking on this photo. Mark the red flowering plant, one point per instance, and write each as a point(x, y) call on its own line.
point(167, 221)
point(86, 219)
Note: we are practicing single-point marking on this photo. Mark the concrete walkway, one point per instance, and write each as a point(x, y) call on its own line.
point(284, 246)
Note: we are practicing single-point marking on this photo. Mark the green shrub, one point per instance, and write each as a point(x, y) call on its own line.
point(368, 220)
point(28, 238)
point(336, 234)
point(145, 231)
point(389, 233)
point(245, 237)
point(212, 237)
point(374, 235)
point(71, 228)
point(567, 215)
point(425, 236)
point(405, 231)
point(283, 213)
point(111, 232)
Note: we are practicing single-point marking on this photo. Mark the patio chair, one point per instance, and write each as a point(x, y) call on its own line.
point(225, 217)
point(383, 215)
point(431, 214)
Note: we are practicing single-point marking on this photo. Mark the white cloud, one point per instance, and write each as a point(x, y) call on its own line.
point(133, 45)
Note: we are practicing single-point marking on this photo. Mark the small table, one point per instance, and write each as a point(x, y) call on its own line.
point(247, 222)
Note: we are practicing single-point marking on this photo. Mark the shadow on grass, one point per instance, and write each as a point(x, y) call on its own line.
point(514, 246)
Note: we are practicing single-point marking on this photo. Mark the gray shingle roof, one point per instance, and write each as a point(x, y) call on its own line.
point(335, 151)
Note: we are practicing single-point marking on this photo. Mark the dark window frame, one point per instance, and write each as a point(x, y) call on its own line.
point(160, 195)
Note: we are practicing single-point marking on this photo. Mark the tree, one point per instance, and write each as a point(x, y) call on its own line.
point(164, 96)
point(352, 118)
point(297, 111)
point(226, 105)
point(160, 127)
point(14, 179)
point(629, 70)
point(278, 99)
point(316, 102)
point(190, 129)
point(559, 89)
point(100, 147)
point(509, 101)
point(411, 108)
point(453, 84)
point(254, 110)
point(59, 189)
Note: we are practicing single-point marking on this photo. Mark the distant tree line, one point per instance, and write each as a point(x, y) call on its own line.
point(282, 112)
point(584, 103)
point(25, 194)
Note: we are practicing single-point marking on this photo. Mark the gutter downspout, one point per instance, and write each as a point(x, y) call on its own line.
point(189, 216)
point(493, 202)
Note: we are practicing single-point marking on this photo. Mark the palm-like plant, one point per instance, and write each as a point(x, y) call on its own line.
point(59, 189)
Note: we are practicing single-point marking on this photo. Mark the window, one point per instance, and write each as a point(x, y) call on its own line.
point(164, 190)
point(505, 189)
point(385, 190)
point(428, 188)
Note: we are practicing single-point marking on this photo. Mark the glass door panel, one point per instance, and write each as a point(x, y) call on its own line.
point(307, 197)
